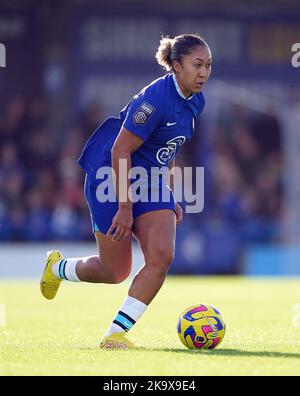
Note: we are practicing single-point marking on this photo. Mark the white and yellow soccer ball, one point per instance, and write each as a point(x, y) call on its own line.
point(201, 327)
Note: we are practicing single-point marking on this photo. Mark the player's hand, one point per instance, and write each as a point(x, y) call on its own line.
point(179, 213)
point(121, 225)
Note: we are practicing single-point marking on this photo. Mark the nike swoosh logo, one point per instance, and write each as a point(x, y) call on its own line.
point(171, 123)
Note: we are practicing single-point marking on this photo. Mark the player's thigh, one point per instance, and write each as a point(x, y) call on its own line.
point(114, 255)
point(156, 233)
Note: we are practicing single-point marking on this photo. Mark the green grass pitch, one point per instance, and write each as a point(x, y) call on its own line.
point(60, 337)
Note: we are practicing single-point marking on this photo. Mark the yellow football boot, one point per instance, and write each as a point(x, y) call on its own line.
point(49, 284)
point(116, 341)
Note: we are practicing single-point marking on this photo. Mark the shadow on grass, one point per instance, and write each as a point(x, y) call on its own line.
point(216, 352)
point(226, 352)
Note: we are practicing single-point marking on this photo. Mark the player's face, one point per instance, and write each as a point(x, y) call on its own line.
point(194, 70)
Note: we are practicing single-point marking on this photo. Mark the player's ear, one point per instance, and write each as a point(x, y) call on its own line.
point(177, 66)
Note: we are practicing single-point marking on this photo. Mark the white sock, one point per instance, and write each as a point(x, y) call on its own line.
point(66, 269)
point(129, 313)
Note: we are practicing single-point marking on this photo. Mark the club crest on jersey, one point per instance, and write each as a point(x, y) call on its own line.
point(143, 113)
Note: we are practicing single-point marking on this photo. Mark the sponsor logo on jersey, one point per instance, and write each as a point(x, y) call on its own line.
point(166, 154)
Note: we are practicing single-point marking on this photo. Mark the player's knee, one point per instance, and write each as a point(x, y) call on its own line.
point(118, 273)
point(165, 255)
point(117, 277)
point(161, 258)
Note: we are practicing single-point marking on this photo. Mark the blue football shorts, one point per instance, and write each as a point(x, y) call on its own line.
point(102, 213)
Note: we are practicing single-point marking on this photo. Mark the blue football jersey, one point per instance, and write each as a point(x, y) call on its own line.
point(159, 114)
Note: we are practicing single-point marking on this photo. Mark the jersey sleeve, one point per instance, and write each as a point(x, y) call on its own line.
point(144, 115)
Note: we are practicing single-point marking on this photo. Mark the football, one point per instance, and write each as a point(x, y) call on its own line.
point(201, 327)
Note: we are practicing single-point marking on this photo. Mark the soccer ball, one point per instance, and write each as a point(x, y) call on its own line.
point(201, 327)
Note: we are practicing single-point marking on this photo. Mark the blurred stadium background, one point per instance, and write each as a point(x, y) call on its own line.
point(71, 64)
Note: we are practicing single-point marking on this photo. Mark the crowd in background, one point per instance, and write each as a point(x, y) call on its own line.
point(41, 184)
point(247, 173)
point(242, 157)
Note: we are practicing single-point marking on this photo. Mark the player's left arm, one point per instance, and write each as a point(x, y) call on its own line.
point(179, 211)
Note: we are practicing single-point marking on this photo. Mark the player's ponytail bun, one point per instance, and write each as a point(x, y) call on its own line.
point(176, 48)
point(163, 54)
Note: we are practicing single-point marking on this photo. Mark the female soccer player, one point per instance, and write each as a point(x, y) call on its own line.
point(148, 134)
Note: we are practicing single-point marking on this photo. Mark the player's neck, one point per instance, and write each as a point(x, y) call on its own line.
point(183, 91)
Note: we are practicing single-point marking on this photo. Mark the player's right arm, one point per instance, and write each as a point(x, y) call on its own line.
point(125, 144)
point(143, 117)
